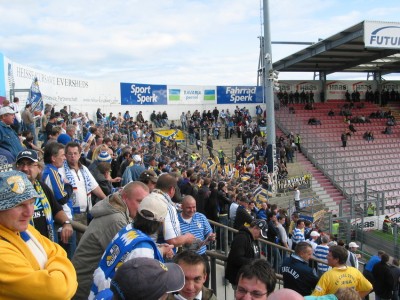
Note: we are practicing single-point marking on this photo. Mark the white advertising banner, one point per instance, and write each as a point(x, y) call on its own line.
point(336, 89)
point(60, 89)
point(375, 222)
point(382, 35)
point(191, 94)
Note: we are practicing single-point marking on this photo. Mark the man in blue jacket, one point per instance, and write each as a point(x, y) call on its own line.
point(297, 274)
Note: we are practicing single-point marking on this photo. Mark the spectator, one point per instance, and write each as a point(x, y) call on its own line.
point(256, 278)
point(144, 278)
point(133, 241)
point(54, 157)
point(82, 182)
point(297, 275)
point(47, 209)
point(340, 275)
point(383, 279)
point(9, 140)
point(194, 268)
point(321, 252)
point(197, 224)
point(298, 233)
point(109, 216)
point(244, 249)
point(31, 266)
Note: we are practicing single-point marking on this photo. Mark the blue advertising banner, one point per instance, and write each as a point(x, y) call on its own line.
point(143, 94)
point(239, 94)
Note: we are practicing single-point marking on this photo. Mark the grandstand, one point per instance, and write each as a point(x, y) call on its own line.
point(359, 168)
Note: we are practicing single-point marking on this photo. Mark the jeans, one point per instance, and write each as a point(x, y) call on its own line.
point(31, 128)
point(221, 232)
point(191, 138)
point(69, 247)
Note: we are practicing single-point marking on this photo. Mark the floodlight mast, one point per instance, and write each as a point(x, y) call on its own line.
point(268, 86)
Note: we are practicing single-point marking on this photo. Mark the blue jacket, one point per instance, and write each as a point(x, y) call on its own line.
point(298, 276)
point(9, 140)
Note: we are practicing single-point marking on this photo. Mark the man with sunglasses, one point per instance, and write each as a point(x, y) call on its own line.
point(47, 209)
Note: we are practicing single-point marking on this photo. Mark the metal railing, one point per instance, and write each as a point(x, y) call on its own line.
point(219, 258)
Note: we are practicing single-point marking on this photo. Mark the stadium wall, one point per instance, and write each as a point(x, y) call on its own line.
point(83, 95)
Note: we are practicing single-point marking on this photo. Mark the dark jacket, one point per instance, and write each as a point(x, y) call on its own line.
point(243, 250)
point(383, 280)
point(202, 198)
point(298, 276)
point(211, 207)
point(223, 202)
point(242, 217)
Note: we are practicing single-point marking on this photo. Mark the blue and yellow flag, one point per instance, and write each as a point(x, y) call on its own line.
point(35, 97)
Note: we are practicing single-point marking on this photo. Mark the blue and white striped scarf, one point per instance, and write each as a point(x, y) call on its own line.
point(71, 179)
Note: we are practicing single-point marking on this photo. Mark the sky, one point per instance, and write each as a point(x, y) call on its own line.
point(185, 42)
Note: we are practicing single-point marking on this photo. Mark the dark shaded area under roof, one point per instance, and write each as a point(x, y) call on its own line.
point(342, 52)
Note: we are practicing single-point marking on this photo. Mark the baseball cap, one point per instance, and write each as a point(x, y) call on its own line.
point(137, 158)
point(147, 278)
point(15, 188)
point(262, 225)
point(153, 208)
point(353, 245)
point(314, 233)
point(6, 110)
point(29, 154)
point(148, 174)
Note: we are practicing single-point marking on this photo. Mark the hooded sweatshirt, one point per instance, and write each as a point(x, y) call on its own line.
point(109, 216)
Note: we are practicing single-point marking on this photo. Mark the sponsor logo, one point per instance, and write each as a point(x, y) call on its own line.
point(241, 94)
point(381, 38)
point(209, 95)
point(144, 94)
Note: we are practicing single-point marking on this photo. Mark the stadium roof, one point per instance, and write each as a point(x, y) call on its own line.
point(346, 51)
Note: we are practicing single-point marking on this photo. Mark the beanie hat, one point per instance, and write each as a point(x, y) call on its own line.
point(15, 188)
point(104, 156)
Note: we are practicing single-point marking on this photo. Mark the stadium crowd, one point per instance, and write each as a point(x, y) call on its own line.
point(141, 195)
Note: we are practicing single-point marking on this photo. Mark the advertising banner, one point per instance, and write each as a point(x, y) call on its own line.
point(336, 89)
point(239, 94)
point(374, 222)
point(382, 35)
point(60, 89)
point(143, 94)
point(291, 86)
point(191, 94)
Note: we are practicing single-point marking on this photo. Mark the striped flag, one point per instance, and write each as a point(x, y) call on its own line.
point(249, 158)
point(35, 97)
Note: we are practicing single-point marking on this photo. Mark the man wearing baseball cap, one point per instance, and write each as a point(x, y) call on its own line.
point(31, 266)
point(144, 278)
point(132, 173)
point(352, 258)
point(244, 248)
point(133, 241)
point(9, 140)
point(47, 209)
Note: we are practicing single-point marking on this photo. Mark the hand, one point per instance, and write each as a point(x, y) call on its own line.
point(116, 179)
point(66, 233)
point(211, 237)
point(190, 238)
point(166, 250)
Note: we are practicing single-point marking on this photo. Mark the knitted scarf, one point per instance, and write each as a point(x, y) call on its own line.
point(46, 210)
point(71, 179)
